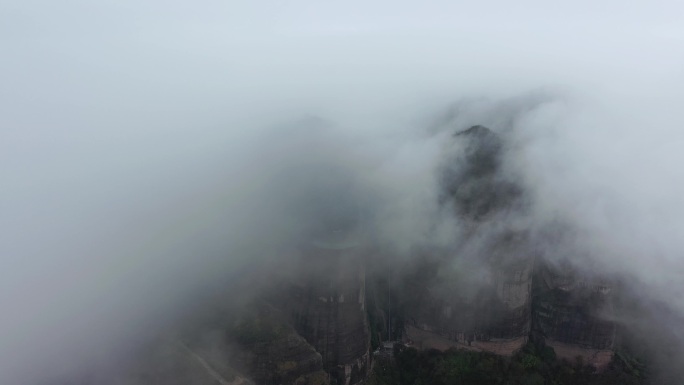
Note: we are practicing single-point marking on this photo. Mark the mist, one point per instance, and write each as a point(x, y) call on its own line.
point(153, 152)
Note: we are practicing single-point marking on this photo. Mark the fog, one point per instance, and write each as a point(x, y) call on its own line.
point(150, 151)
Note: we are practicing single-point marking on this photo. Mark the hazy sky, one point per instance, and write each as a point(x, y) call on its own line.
point(136, 147)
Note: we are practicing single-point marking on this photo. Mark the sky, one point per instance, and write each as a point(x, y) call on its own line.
point(140, 143)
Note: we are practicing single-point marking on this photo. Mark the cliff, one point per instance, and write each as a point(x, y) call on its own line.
point(329, 310)
point(570, 310)
point(494, 289)
point(490, 292)
point(272, 352)
point(479, 295)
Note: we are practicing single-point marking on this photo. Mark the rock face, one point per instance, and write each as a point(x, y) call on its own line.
point(496, 315)
point(495, 318)
point(272, 352)
point(323, 298)
point(568, 311)
point(316, 331)
point(471, 181)
point(496, 306)
point(490, 293)
point(329, 311)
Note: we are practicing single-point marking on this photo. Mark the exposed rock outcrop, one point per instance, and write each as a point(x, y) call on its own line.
point(481, 296)
point(272, 352)
point(329, 310)
point(570, 312)
point(489, 293)
point(496, 315)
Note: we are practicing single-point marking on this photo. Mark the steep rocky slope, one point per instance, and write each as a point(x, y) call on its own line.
point(490, 292)
point(272, 352)
point(495, 289)
point(491, 312)
point(329, 309)
point(570, 312)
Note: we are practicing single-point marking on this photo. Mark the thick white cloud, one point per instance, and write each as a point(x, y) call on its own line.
point(128, 132)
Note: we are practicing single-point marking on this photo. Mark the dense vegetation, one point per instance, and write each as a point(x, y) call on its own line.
point(534, 365)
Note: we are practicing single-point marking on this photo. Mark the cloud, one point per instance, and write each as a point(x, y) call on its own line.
point(146, 149)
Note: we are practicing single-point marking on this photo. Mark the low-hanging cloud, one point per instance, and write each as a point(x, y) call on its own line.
point(151, 152)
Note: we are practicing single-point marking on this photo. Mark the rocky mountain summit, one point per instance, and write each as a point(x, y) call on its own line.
point(518, 292)
point(348, 301)
point(492, 292)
